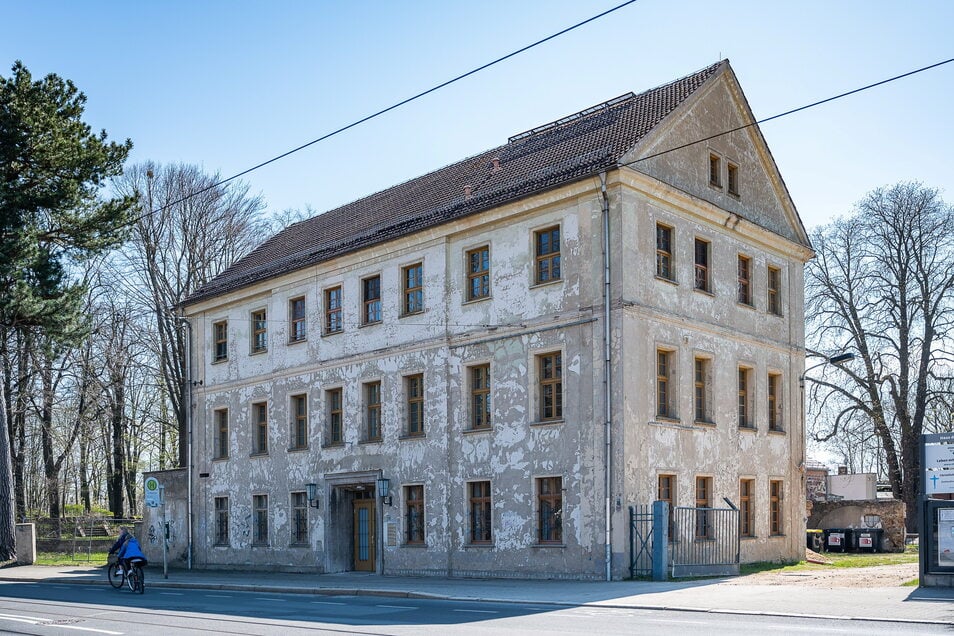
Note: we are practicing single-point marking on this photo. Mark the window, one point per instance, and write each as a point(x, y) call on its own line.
point(547, 249)
point(715, 170)
point(703, 500)
point(414, 514)
point(299, 425)
point(666, 491)
point(745, 280)
point(296, 319)
point(371, 297)
point(776, 495)
point(550, 509)
point(221, 434)
point(259, 331)
point(702, 265)
point(479, 397)
point(260, 428)
point(260, 520)
point(299, 525)
point(480, 512)
point(333, 310)
point(414, 394)
point(732, 178)
point(746, 528)
point(221, 521)
point(412, 279)
point(701, 389)
point(664, 251)
point(774, 288)
point(372, 408)
point(745, 389)
point(665, 395)
point(551, 386)
point(478, 273)
point(335, 429)
point(775, 402)
point(220, 336)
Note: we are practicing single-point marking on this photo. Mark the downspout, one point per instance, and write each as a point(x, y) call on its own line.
point(188, 418)
point(607, 371)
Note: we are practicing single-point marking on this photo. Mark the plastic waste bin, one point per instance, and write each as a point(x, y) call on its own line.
point(869, 539)
point(815, 540)
point(836, 539)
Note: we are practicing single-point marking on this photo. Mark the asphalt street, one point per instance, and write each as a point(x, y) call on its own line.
point(50, 609)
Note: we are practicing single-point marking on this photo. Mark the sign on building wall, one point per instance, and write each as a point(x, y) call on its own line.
point(153, 492)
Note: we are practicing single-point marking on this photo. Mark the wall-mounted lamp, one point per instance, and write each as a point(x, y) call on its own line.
point(384, 490)
point(313, 499)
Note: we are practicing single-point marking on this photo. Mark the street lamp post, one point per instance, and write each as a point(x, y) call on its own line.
point(837, 360)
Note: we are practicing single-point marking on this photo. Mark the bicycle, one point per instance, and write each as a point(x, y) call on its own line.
point(134, 578)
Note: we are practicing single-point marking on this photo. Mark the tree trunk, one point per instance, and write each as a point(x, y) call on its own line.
point(116, 435)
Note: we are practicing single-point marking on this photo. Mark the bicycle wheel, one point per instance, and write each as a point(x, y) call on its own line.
point(131, 578)
point(115, 574)
point(141, 579)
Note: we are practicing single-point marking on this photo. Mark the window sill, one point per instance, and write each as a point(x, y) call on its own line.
point(478, 299)
point(704, 292)
point(258, 352)
point(777, 431)
point(370, 324)
point(412, 436)
point(734, 195)
point(745, 305)
point(663, 279)
point(325, 334)
point(772, 314)
point(299, 341)
point(259, 454)
point(671, 424)
point(555, 281)
point(749, 429)
point(333, 445)
point(474, 431)
point(548, 545)
point(376, 440)
point(665, 419)
point(479, 546)
point(748, 537)
point(221, 545)
point(298, 546)
point(777, 536)
point(412, 314)
point(543, 423)
point(220, 361)
point(415, 546)
point(220, 459)
point(715, 185)
point(704, 424)
point(298, 449)
point(260, 545)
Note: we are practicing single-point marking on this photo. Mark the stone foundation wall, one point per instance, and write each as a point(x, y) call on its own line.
point(850, 514)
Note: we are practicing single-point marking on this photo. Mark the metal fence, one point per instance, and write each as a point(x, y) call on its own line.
point(705, 541)
point(641, 540)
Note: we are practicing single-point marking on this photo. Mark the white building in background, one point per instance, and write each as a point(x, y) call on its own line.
point(449, 334)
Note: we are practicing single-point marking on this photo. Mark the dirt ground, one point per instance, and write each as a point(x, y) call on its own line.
point(875, 576)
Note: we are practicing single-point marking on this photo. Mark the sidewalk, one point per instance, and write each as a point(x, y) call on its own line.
point(907, 604)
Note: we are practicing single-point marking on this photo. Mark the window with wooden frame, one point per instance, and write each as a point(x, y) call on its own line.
point(550, 373)
point(296, 320)
point(701, 396)
point(478, 273)
point(664, 251)
point(550, 510)
point(333, 322)
point(746, 416)
point(775, 402)
point(774, 285)
point(776, 495)
point(702, 282)
point(665, 391)
point(746, 490)
point(414, 514)
point(259, 331)
point(299, 520)
point(481, 531)
point(220, 338)
point(732, 178)
point(715, 170)
point(666, 491)
point(259, 520)
point(260, 428)
point(221, 521)
point(372, 412)
point(547, 251)
point(479, 382)
point(745, 280)
point(221, 419)
point(704, 502)
point(371, 300)
point(412, 281)
point(414, 397)
point(299, 423)
point(333, 398)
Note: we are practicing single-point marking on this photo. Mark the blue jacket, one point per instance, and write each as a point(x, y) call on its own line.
point(131, 550)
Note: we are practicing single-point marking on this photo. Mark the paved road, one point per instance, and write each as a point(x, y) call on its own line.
point(52, 609)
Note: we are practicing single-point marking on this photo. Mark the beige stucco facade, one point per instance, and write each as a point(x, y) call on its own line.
point(509, 330)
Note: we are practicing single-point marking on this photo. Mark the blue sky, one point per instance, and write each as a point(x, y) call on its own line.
point(226, 85)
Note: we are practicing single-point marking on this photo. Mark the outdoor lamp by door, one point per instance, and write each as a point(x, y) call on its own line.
point(313, 499)
point(384, 490)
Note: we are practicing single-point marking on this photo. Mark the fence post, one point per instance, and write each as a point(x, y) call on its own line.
point(660, 540)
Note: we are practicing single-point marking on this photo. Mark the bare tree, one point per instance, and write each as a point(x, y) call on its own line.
point(882, 287)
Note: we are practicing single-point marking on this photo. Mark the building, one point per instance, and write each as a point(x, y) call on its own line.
point(452, 334)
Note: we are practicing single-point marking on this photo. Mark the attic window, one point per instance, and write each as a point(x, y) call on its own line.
point(732, 178)
point(715, 170)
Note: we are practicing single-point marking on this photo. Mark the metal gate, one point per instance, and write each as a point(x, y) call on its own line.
point(705, 541)
point(641, 540)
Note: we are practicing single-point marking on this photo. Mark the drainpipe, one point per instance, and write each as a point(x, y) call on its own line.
point(188, 416)
point(607, 384)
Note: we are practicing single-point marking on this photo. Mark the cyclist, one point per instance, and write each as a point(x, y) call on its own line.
point(128, 548)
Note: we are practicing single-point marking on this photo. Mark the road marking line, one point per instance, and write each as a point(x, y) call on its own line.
point(477, 611)
point(217, 596)
point(326, 603)
point(171, 593)
point(20, 619)
point(90, 629)
point(398, 606)
point(275, 600)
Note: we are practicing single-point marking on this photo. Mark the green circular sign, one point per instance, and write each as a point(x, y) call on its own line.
point(152, 484)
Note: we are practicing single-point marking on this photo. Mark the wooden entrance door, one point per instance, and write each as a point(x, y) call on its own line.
point(364, 535)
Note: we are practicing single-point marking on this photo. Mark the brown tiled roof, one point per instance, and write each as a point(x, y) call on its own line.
point(552, 155)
